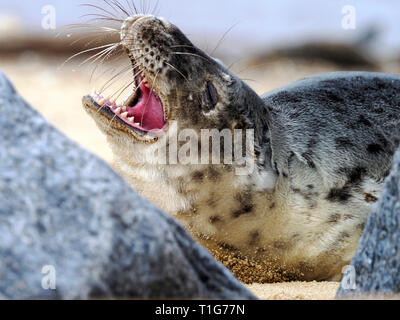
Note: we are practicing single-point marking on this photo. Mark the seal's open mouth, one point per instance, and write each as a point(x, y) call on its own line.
point(142, 110)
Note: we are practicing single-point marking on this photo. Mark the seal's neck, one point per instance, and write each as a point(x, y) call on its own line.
point(178, 187)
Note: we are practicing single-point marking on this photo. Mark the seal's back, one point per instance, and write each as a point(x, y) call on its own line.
point(337, 121)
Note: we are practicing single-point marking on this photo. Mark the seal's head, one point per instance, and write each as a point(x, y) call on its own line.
point(174, 80)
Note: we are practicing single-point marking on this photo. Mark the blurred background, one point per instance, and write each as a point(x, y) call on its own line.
point(267, 43)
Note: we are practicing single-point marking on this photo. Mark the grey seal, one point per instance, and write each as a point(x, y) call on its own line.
point(322, 149)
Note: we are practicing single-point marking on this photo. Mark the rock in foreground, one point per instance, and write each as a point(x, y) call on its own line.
point(376, 265)
point(67, 219)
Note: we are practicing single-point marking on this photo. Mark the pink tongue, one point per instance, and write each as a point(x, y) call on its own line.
point(148, 111)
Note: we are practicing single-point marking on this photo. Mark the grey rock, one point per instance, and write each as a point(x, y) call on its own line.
point(60, 206)
point(376, 263)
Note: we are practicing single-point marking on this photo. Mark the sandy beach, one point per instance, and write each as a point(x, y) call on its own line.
point(295, 290)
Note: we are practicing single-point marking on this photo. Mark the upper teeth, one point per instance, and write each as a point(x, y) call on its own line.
point(122, 111)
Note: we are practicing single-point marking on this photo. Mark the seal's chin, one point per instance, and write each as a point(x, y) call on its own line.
point(142, 111)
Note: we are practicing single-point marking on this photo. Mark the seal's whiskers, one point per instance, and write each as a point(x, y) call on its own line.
point(104, 53)
point(86, 51)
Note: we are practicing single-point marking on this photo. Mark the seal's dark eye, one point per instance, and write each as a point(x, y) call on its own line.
point(210, 97)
